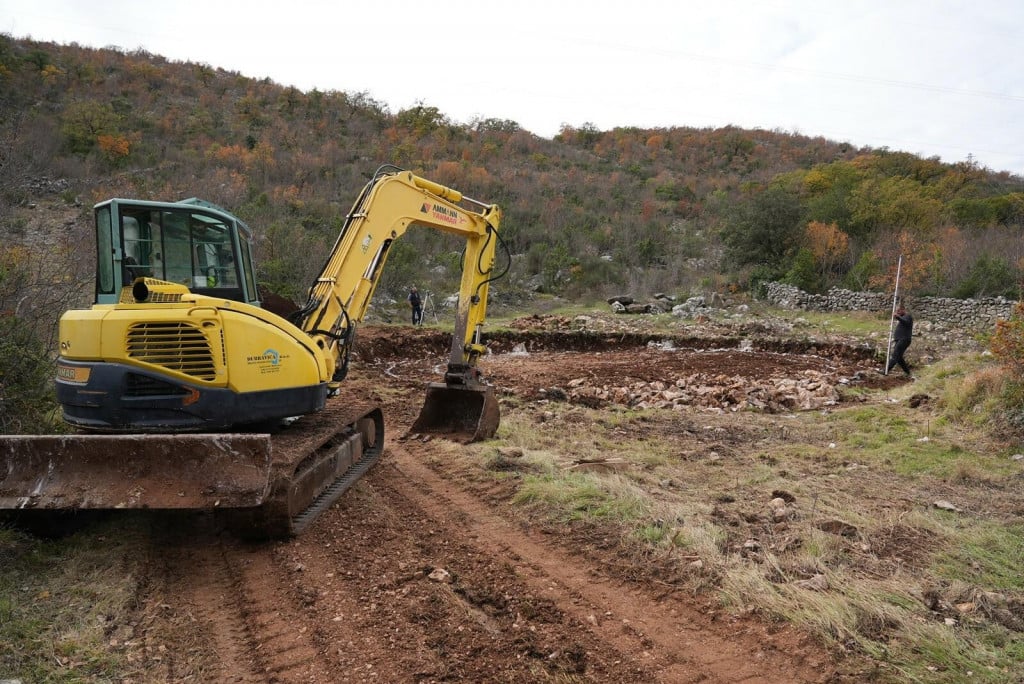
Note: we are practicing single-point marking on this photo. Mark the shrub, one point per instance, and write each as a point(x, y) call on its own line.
point(1008, 346)
point(989, 277)
point(27, 402)
point(1008, 341)
point(803, 272)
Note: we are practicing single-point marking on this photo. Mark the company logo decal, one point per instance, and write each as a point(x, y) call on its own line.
point(442, 213)
point(270, 361)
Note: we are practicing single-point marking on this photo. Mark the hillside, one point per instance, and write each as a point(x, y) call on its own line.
point(588, 214)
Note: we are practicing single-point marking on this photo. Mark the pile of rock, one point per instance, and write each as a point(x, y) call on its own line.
point(666, 303)
point(625, 304)
point(811, 390)
point(699, 306)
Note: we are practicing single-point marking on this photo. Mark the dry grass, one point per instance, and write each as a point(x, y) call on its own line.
point(65, 605)
point(861, 555)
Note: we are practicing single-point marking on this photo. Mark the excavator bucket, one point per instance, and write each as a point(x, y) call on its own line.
point(193, 471)
point(459, 413)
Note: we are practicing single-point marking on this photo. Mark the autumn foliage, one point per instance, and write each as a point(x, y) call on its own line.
point(113, 147)
point(829, 246)
point(587, 214)
point(1008, 341)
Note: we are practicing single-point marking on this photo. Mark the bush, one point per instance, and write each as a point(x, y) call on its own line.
point(863, 272)
point(1008, 341)
point(27, 402)
point(989, 277)
point(1008, 346)
point(803, 272)
point(759, 278)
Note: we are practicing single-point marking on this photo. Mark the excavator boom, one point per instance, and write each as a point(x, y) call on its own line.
point(464, 407)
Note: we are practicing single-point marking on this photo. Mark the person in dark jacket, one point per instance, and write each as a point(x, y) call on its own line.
point(901, 340)
point(417, 306)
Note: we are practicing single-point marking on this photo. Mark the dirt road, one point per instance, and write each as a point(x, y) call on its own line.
point(425, 572)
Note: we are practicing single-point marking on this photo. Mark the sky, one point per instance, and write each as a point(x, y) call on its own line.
point(937, 78)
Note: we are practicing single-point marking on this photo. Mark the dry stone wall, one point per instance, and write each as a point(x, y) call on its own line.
point(966, 313)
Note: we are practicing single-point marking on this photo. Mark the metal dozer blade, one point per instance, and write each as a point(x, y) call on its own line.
point(461, 413)
point(192, 471)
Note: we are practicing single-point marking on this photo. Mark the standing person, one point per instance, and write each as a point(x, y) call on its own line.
point(417, 306)
point(901, 339)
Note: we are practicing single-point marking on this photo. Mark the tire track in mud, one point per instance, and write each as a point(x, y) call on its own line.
point(422, 601)
point(670, 638)
point(229, 604)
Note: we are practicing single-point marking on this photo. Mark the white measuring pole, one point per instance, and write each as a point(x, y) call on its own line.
point(895, 292)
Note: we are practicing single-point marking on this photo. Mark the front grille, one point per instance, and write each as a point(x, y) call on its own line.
point(173, 345)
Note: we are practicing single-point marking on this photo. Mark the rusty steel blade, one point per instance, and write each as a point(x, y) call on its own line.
point(191, 471)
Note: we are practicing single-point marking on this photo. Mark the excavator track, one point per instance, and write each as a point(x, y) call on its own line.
point(314, 461)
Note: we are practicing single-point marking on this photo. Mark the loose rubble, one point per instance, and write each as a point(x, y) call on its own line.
point(812, 390)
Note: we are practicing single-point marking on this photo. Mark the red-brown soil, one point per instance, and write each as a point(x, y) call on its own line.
point(425, 571)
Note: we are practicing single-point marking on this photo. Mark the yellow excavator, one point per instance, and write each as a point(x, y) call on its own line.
point(188, 393)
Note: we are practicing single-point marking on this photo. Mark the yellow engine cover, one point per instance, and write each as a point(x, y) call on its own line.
point(200, 340)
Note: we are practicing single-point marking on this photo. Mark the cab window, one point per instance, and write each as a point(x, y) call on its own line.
point(179, 246)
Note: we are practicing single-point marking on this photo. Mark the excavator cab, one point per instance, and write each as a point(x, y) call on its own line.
point(192, 243)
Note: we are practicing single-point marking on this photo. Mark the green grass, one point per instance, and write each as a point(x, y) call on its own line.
point(584, 434)
point(885, 622)
point(885, 435)
point(989, 555)
point(854, 323)
point(584, 496)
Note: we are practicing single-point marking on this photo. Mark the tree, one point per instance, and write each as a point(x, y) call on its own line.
point(826, 193)
point(895, 202)
point(1008, 341)
point(804, 272)
point(421, 120)
point(863, 272)
point(585, 136)
point(27, 400)
point(989, 277)
point(764, 230)
point(114, 147)
point(84, 122)
point(829, 247)
point(915, 266)
point(40, 59)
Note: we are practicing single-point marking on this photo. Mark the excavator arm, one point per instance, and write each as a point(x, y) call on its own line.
point(391, 203)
